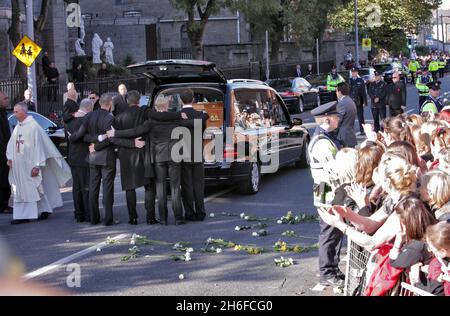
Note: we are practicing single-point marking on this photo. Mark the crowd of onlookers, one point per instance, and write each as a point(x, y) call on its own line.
point(394, 197)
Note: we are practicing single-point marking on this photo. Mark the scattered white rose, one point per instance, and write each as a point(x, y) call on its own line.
point(188, 250)
point(242, 215)
point(247, 218)
point(67, 240)
point(99, 249)
point(237, 228)
point(181, 276)
point(212, 215)
point(219, 250)
point(255, 234)
point(279, 221)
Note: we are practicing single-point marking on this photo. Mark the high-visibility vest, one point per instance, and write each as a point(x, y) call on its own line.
point(322, 151)
point(442, 64)
point(422, 84)
point(414, 66)
point(333, 83)
point(434, 66)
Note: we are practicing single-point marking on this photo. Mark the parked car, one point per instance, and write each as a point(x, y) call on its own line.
point(388, 70)
point(367, 74)
point(297, 93)
point(239, 110)
point(56, 134)
point(319, 82)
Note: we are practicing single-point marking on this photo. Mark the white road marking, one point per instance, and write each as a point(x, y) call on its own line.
point(71, 258)
point(82, 253)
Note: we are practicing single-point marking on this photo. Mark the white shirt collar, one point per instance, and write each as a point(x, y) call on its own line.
point(187, 106)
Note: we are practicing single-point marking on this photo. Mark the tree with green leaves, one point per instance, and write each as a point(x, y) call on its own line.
point(203, 10)
point(387, 22)
point(303, 20)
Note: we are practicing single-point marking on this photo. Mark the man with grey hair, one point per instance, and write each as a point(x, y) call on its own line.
point(37, 169)
point(28, 95)
point(102, 162)
point(77, 158)
point(120, 102)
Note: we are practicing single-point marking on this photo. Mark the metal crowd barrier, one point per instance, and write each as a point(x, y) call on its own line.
point(356, 267)
point(409, 290)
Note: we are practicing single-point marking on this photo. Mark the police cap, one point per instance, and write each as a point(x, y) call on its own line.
point(378, 73)
point(355, 69)
point(435, 85)
point(325, 109)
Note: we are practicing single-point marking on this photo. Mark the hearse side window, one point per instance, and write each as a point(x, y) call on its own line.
point(277, 115)
point(251, 109)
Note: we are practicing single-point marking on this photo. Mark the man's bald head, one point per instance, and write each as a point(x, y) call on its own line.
point(72, 95)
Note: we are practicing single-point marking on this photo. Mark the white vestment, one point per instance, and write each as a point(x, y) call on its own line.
point(30, 147)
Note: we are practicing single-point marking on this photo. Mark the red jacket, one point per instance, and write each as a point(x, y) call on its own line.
point(385, 277)
point(435, 271)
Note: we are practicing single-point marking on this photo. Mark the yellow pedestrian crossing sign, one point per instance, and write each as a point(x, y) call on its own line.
point(27, 51)
point(367, 44)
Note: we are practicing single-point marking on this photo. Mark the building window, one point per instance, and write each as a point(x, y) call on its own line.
point(132, 13)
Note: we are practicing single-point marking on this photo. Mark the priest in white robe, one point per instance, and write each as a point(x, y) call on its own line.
point(37, 171)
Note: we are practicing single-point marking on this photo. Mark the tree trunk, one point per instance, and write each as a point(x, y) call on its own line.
point(15, 34)
point(197, 46)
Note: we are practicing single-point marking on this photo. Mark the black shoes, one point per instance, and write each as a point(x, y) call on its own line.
point(191, 218)
point(112, 223)
point(152, 222)
point(20, 221)
point(180, 222)
point(43, 216)
point(133, 221)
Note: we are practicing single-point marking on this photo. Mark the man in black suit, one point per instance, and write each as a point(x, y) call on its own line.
point(193, 172)
point(28, 95)
point(132, 162)
point(120, 102)
point(377, 92)
point(359, 96)
point(77, 159)
point(157, 131)
point(102, 162)
point(95, 98)
point(52, 79)
point(5, 134)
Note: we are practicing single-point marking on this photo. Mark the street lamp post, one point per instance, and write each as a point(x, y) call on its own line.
point(31, 71)
point(356, 33)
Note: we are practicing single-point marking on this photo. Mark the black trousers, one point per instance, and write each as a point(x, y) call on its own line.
point(361, 121)
point(5, 195)
point(379, 114)
point(442, 72)
point(173, 170)
point(99, 174)
point(330, 243)
point(80, 192)
point(193, 189)
point(413, 78)
point(395, 112)
point(435, 75)
point(150, 195)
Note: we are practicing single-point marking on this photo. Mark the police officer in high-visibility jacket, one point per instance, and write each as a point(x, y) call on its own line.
point(322, 150)
point(413, 67)
point(433, 68)
point(422, 85)
point(333, 80)
point(442, 64)
point(433, 103)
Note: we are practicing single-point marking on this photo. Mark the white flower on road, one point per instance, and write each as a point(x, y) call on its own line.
point(181, 276)
point(242, 215)
point(212, 215)
point(255, 234)
point(99, 249)
point(279, 221)
point(219, 250)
